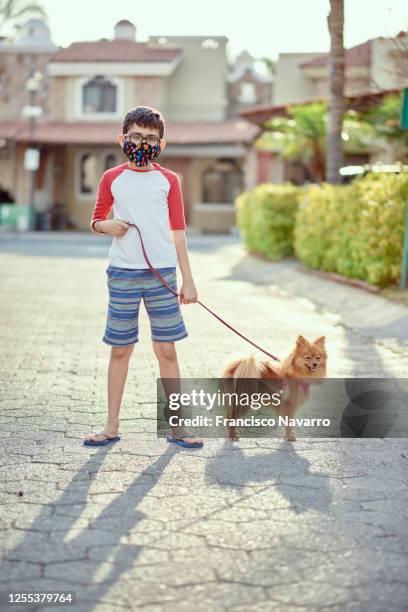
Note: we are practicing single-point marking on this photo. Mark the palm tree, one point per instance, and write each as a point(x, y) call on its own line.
point(334, 158)
point(302, 136)
point(11, 11)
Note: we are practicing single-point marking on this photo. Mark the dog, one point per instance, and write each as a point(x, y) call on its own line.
point(292, 376)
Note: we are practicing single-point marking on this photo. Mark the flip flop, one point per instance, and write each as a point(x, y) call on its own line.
point(181, 442)
point(101, 442)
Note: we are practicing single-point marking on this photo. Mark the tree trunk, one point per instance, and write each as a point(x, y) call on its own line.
point(335, 22)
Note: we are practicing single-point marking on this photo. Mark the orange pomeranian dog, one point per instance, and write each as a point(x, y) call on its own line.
point(306, 362)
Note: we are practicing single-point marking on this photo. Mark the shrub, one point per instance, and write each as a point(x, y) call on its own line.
point(355, 230)
point(266, 219)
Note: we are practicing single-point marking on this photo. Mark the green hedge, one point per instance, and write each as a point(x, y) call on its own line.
point(266, 219)
point(355, 230)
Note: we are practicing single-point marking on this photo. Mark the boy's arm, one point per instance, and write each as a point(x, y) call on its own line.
point(188, 292)
point(104, 201)
point(103, 205)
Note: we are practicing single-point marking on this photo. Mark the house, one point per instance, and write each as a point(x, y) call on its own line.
point(91, 85)
point(247, 85)
point(370, 66)
point(372, 70)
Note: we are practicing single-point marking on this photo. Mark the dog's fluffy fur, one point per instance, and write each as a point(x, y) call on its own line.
point(306, 362)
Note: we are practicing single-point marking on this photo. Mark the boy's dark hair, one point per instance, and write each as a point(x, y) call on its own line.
point(146, 116)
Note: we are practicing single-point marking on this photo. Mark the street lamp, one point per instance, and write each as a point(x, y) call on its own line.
point(32, 156)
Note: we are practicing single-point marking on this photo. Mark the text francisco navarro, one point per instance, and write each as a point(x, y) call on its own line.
point(250, 421)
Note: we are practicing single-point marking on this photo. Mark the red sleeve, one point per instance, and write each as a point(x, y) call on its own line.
point(104, 200)
point(176, 204)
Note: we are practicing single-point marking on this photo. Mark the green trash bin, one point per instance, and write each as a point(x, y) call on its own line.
point(8, 216)
point(16, 216)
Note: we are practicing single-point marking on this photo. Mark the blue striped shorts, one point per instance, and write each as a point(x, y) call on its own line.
point(127, 287)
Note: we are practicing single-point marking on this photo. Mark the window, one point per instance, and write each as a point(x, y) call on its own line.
point(223, 182)
point(99, 96)
point(247, 94)
point(110, 161)
point(88, 174)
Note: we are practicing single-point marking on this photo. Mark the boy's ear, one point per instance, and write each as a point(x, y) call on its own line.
point(163, 143)
point(301, 341)
point(121, 139)
point(320, 341)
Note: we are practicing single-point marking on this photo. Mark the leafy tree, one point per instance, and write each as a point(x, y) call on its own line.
point(385, 120)
point(303, 135)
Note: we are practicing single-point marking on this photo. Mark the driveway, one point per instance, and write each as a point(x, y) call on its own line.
point(259, 525)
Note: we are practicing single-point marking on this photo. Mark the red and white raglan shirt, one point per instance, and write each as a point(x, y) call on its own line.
point(153, 200)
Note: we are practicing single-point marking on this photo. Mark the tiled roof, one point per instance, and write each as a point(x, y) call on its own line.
point(360, 102)
point(114, 51)
point(234, 131)
point(355, 56)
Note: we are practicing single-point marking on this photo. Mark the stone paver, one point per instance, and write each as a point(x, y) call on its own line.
point(261, 525)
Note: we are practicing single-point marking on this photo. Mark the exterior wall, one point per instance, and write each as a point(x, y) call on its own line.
point(66, 96)
point(197, 99)
point(354, 85)
point(15, 69)
point(276, 169)
point(263, 92)
point(386, 71)
point(291, 84)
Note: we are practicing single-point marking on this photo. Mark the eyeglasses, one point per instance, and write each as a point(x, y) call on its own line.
point(137, 138)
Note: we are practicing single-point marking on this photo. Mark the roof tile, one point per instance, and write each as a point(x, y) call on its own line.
point(115, 51)
point(238, 131)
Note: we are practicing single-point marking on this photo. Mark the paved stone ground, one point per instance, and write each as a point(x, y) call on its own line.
point(260, 525)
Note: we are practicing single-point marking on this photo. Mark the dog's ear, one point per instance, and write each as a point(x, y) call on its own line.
point(320, 341)
point(301, 341)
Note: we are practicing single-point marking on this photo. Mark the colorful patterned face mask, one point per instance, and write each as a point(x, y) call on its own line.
point(141, 153)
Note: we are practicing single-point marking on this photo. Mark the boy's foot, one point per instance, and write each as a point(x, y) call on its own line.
point(101, 436)
point(179, 433)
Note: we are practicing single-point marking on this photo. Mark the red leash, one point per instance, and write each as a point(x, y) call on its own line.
point(165, 283)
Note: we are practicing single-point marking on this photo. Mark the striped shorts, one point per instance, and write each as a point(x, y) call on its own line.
point(127, 287)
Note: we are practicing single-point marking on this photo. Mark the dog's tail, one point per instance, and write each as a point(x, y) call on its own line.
point(247, 376)
point(248, 368)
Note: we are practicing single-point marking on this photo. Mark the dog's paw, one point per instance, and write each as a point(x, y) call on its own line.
point(290, 437)
point(234, 438)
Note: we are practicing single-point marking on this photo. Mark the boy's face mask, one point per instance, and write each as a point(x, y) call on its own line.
point(141, 154)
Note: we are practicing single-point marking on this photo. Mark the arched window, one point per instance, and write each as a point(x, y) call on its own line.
point(88, 174)
point(247, 93)
point(99, 96)
point(223, 182)
point(110, 161)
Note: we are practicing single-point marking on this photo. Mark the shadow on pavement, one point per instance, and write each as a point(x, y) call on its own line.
point(116, 520)
point(230, 467)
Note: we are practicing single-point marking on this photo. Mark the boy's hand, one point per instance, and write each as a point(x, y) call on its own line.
point(114, 227)
point(188, 293)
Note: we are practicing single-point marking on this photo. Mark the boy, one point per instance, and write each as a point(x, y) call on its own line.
point(142, 192)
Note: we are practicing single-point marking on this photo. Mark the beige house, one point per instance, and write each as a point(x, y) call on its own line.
point(370, 66)
point(373, 69)
point(89, 87)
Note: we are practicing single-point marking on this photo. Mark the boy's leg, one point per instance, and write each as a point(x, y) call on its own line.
point(169, 368)
point(117, 374)
point(121, 327)
point(167, 326)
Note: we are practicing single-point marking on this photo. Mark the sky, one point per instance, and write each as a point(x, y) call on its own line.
point(263, 27)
